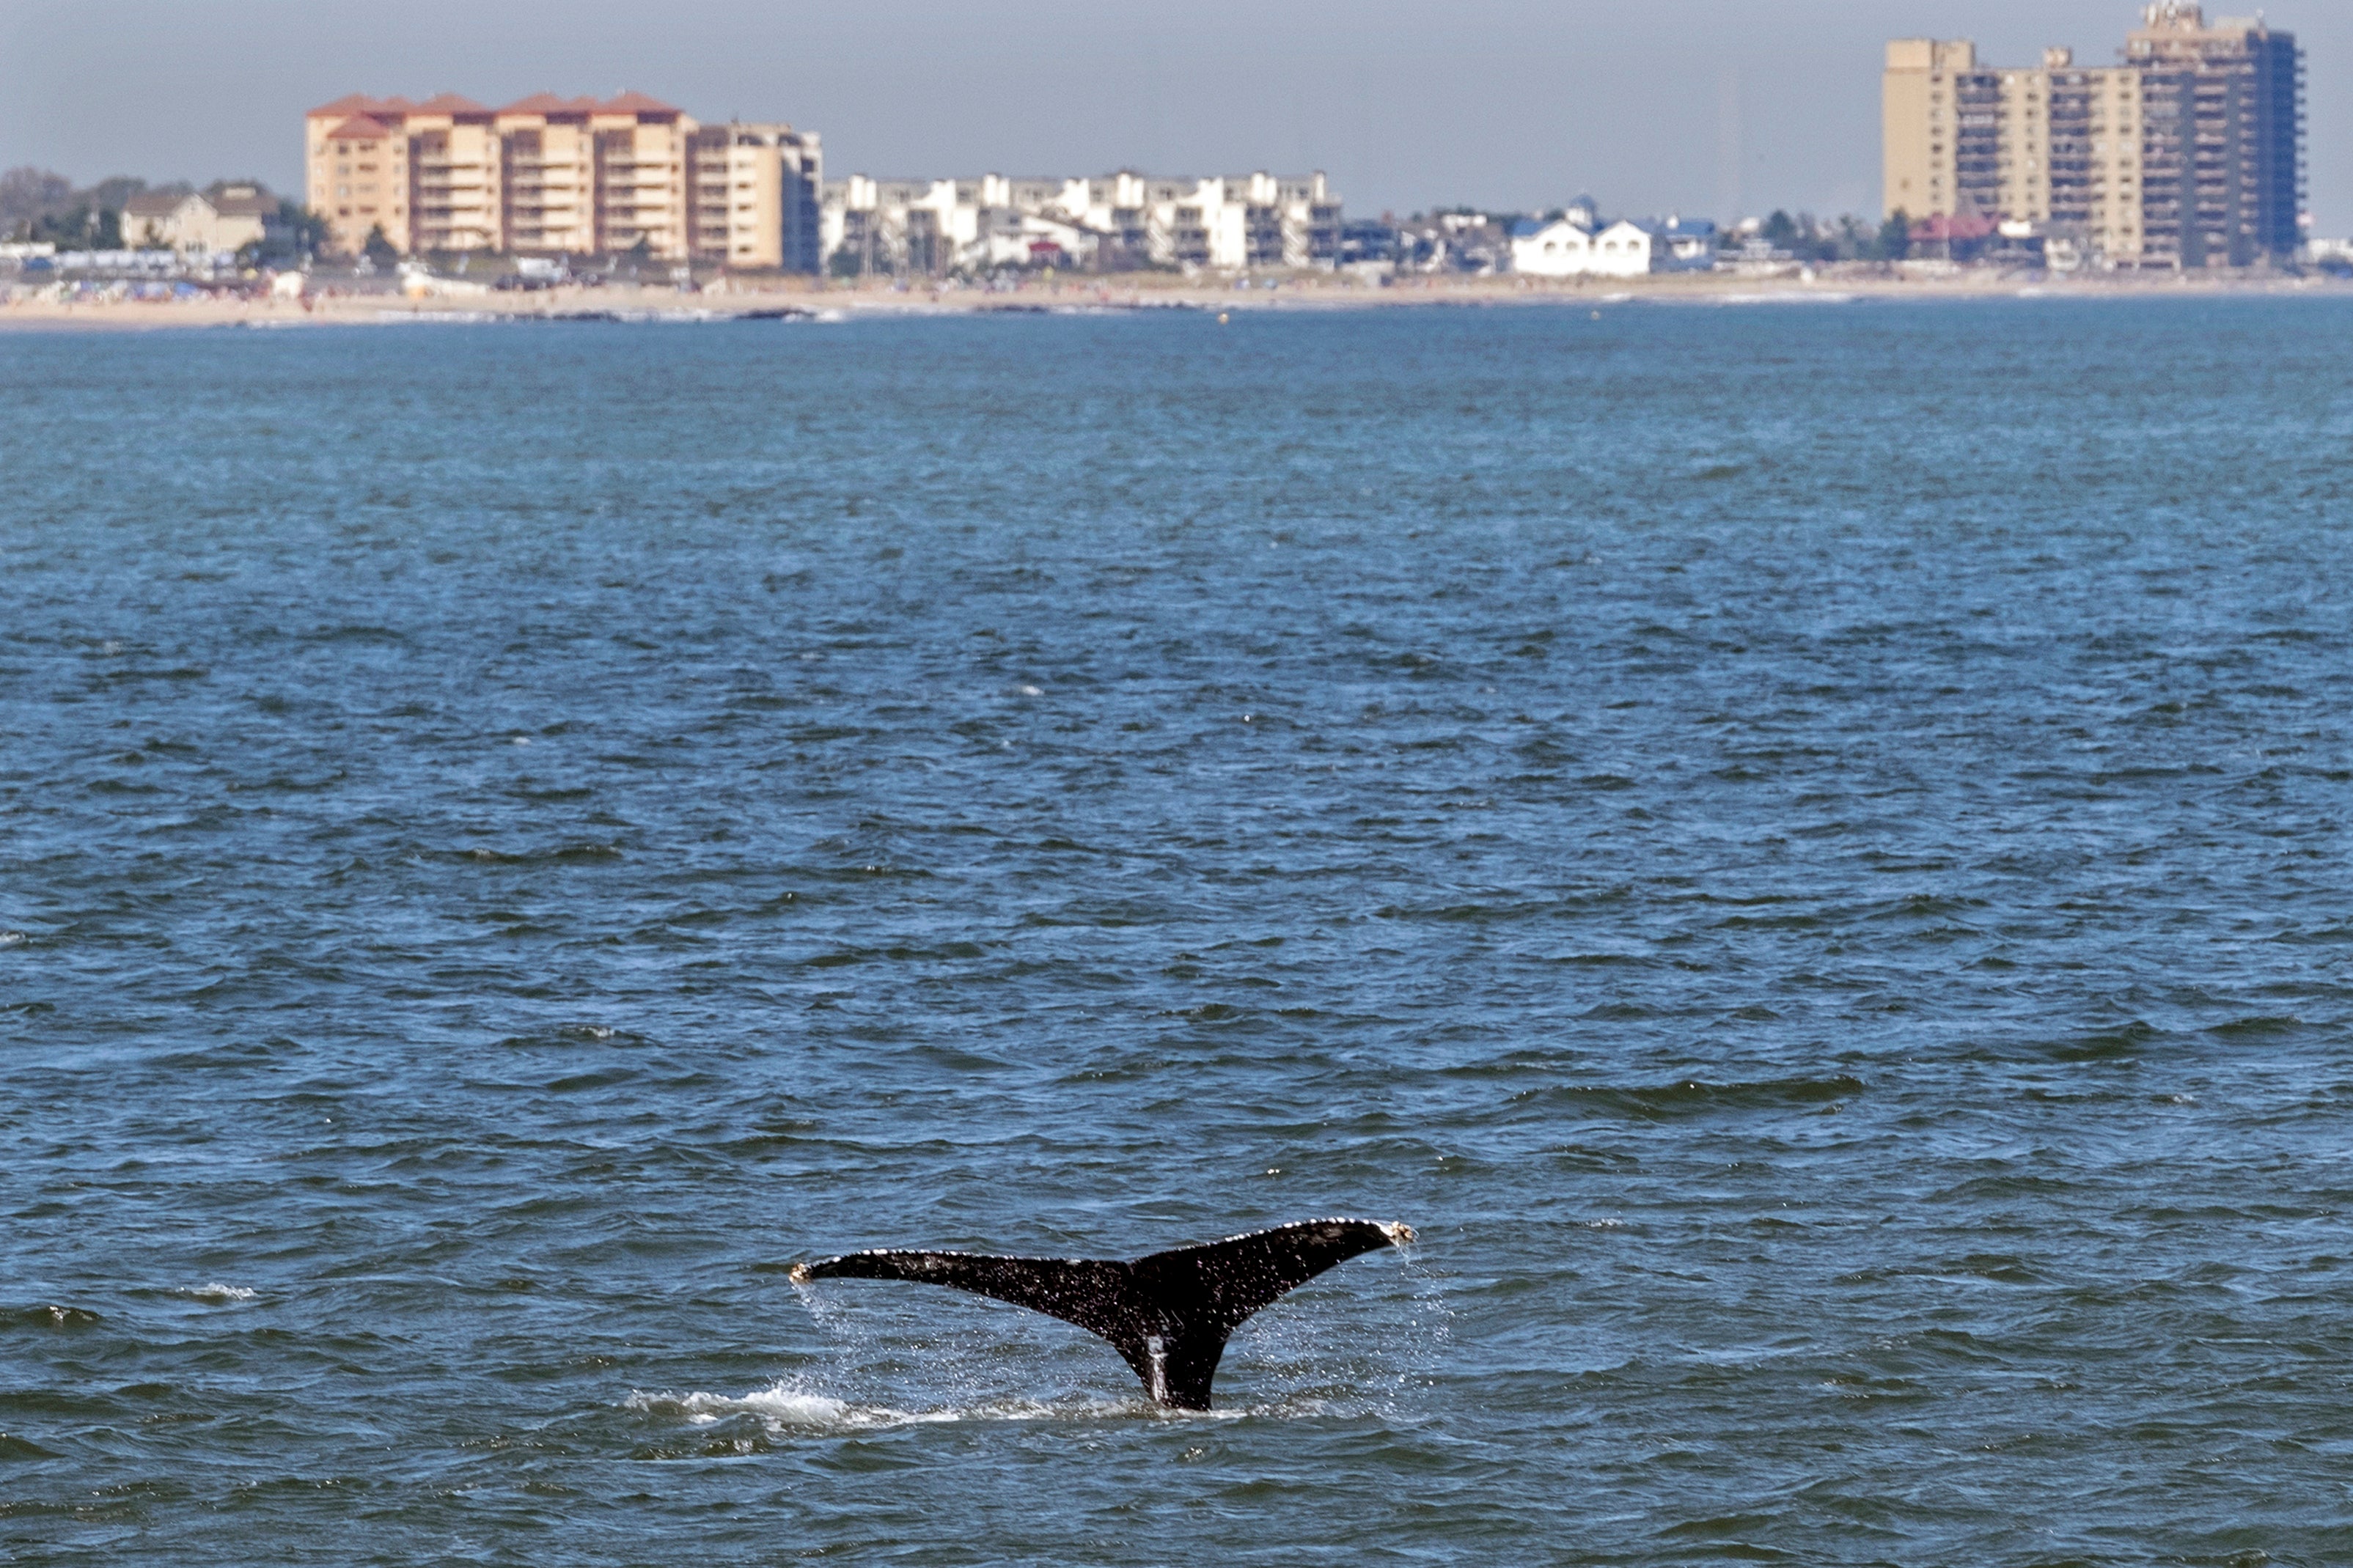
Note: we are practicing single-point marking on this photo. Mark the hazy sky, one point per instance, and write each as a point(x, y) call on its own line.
point(1707, 107)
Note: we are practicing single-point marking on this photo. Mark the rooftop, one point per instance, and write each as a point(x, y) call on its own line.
point(155, 203)
point(548, 104)
point(452, 103)
point(639, 104)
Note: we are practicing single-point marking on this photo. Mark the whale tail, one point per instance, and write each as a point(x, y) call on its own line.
point(1168, 1315)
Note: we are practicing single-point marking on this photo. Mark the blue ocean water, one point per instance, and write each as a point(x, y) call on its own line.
point(1804, 849)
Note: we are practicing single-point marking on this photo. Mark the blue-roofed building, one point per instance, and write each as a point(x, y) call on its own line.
point(1683, 245)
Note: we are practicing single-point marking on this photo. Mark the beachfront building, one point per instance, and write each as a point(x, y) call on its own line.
point(1576, 246)
point(554, 176)
point(1116, 222)
point(753, 196)
point(2186, 155)
point(221, 221)
point(1560, 248)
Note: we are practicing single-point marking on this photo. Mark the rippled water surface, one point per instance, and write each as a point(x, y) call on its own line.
point(1806, 850)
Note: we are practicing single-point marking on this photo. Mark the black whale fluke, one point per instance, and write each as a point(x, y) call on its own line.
point(1169, 1314)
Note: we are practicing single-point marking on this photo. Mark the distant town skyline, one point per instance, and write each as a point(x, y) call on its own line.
point(1713, 107)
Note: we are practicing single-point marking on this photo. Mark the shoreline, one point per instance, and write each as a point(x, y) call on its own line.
point(834, 302)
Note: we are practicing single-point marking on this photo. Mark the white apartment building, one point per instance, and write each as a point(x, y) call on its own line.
point(1117, 222)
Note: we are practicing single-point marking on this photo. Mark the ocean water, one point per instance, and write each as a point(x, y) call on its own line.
point(1804, 849)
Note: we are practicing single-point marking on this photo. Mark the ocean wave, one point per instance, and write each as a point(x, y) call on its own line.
point(1695, 1098)
point(53, 1316)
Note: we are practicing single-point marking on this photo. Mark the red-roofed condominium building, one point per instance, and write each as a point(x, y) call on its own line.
point(550, 176)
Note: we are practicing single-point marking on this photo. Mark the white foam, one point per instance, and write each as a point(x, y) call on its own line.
point(440, 318)
point(782, 1408)
point(1785, 296)
point(217, 1292)
point(11, 938)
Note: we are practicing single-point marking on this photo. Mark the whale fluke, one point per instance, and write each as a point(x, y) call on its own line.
point(1168, 1315)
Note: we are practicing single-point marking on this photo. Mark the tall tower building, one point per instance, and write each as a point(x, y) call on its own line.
point(2223, 178)
point(2187, 155)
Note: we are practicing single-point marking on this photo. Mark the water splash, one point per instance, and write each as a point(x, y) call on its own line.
point(216, 1292)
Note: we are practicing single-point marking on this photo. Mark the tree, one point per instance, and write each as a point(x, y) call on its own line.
point(1895, 236)
point(1781, 231)
point(116, 190)
point(29, 194)
point(289, 239)
point(305, 231)
point(378, 249)
point(75, 229)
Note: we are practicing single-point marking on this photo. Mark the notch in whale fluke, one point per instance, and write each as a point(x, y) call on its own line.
point(1168, 1315)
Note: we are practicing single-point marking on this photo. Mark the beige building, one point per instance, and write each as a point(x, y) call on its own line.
point(221, 221)
point(563, 177)
point(2054, 145)
point(754, 196)
point(2199, 120)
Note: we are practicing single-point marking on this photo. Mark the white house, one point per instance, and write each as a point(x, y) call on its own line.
point(1556, 250)
point(1575, 245)
point(1565, 248)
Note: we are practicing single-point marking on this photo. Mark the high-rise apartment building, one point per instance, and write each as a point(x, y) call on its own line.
point(563, 177)
point(2223, 137)
point(2187, 155)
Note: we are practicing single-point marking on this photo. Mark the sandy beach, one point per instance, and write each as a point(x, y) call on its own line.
point(831, 300)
